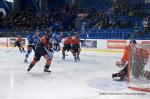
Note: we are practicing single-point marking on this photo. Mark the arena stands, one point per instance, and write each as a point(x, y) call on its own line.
point(95, 19)
point(30, 20)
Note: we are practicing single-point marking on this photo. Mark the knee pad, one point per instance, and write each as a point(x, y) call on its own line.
point(34, 61)
point(46, 56)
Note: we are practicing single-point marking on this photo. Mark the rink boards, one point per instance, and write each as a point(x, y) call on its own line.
point(88, 45)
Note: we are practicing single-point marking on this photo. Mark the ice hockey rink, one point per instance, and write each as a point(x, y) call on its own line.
point(89, 78)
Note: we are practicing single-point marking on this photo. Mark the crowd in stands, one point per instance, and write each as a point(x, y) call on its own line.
point(6, 22)
point(31, 20)
point(118, 16)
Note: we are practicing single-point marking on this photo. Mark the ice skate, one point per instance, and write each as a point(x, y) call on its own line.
point(75, 59)
point(46, 70)
point(30, 67)
point(78, 58)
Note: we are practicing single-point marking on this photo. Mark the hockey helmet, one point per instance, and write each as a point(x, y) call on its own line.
point(76, 33)
point(37, 30)
point(26, 32)
point(48, 34)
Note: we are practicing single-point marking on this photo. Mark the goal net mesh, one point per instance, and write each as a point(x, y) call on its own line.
point(139, 68)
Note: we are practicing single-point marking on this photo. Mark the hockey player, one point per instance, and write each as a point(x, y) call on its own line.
point(76, 46)
point(57, 38)
point(33, 41)
point(43, 49)
point(18, 43)
point(67, 45)
point(123, 63)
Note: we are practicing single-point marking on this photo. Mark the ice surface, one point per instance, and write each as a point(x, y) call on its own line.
point(88, 79)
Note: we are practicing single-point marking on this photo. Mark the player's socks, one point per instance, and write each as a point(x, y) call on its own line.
point(23, 49)
point(75, 59)
point(78, 58)
point(20, 49)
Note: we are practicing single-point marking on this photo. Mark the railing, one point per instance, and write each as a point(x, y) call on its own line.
point(97, 34)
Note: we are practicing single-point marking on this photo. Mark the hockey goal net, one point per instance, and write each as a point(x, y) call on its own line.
point(139, 68)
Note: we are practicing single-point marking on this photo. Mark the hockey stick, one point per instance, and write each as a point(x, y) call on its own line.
point(10, 49)
point(49, 53)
